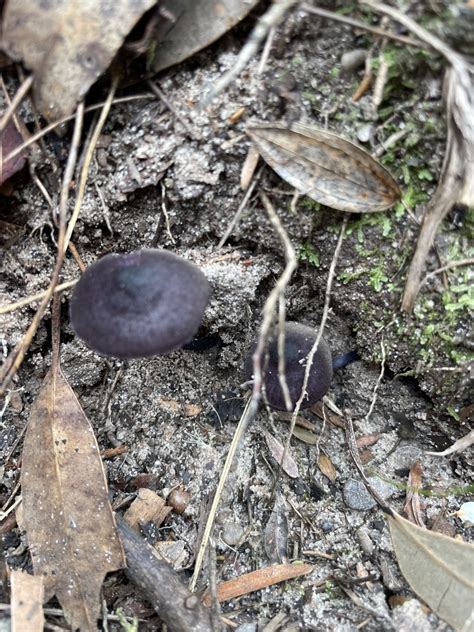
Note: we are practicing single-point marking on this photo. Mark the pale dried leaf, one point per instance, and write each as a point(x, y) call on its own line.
point(458, 446)
point(329, 169)
point(327, 468)
point(439, 569)
point(196, 25)
point(27, 594)
point(289, 466)
point(67, 515)
point(67, 44)
point(412, 503)
point(147, 507)
point(275, 537)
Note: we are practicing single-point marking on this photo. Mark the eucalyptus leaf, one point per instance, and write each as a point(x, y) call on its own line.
point(193, 25)
point(328, 168)
point(439, 569)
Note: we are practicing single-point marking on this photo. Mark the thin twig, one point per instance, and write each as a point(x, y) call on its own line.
point(87, 160)
point(11, 307)
point(65, 119)
point(15, 102)
point(234, 221)
point(322, 13)
point(379, 381)
point(269, 20)
point(252, 405)
point(15, 358)
point(448, 266)
point(322, 324)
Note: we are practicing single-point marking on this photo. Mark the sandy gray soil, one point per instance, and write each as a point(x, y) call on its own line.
point(146, 160)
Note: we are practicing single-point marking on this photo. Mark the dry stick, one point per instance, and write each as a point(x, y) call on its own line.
point(322, 13)
point(240, 210)
point(448, 266)
point(379, 381)
point(314, 348)
point(354, 452)
point(281, 351)
point(65, 119)
point(15, 358)
point(35, 297)
point(251, 407)
point(17, 99)
point(87, 161)
point(176, 606)
point(269, 20)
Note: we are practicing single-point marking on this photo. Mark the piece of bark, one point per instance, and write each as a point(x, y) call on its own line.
point(176, 606)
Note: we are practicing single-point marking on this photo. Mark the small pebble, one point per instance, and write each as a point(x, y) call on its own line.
point(247, 627)
point(357, 497)
point(232, 533)
point(353, 59)
point(364, 133)
point(327, 526)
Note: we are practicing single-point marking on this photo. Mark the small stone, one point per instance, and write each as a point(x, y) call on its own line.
point(327, 526)
point(353, 59)
point(232, 533)
point(247, 627)
point(364, 133)
point(357, 497)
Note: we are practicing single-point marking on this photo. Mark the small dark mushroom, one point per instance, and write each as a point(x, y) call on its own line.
point(299, 340)
point(140, 304)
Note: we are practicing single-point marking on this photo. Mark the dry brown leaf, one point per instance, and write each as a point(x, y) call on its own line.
point(27, 593)
point(368, 440)
point(188, 410)
point(327, 468)
point(67, 515)
point(147, 507)
point(412, 503)
point(329, 169)
point(67, 44)
point(10, 139)
point(196, 25)
point(257, 580)
point(275, 537)
point(277, 450)
point(438, 569)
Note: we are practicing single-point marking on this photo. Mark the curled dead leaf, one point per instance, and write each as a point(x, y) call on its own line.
point(328, 168)
point(67, 44)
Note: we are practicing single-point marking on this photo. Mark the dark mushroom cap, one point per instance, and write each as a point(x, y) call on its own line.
point(139, 304)
point(299, 339)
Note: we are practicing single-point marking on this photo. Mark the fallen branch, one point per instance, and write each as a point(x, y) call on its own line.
point(176, 606)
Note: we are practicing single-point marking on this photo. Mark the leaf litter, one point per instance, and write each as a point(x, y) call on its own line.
point(438, 568)
point(67, 45)
point(326, 167)
point(67, 516)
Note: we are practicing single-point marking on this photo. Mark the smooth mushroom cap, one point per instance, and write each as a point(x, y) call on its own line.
point(299, 339)
point(140, 304)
